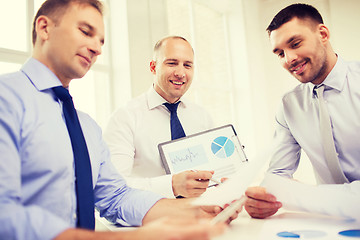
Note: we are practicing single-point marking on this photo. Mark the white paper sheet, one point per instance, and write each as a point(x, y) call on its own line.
point(235, 186)
point(335, 200)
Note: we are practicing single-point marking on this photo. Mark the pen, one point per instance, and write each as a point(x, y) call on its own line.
point(211, 179)
point(229, 211)
point(215, 181)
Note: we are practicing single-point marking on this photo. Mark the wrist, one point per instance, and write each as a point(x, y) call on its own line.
point(173, 181)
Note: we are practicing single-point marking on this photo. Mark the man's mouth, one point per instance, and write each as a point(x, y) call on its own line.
point(298, 68)
point(179, 83)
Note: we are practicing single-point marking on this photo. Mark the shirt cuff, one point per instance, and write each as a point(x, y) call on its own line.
point(163, 185)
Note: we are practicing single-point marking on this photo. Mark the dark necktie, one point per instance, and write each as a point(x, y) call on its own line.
point(328, 139)
point(84, 186)
point(176, 129)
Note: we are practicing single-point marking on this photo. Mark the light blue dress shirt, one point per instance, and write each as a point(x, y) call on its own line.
point(298, 125)
point(37, 191)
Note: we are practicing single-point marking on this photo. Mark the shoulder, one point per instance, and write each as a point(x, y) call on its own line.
point(14, 82)
point(138, 102)
point(197, 113)
point(298, 93)
point(16, 89)
point(127, 114)
point(193, 106)
point(354, 67)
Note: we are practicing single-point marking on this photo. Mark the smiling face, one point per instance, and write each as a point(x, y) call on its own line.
point(303, 49)
point(173, 69)
point(70, 45)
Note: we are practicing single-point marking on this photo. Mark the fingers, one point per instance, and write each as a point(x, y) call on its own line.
point(259, 193)
point(260, 204)
point(223, 179)
point(191, 184)
point(203, 175)
point(260, 212)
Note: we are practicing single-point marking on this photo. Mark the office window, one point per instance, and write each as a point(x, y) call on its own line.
point(90, 94)
point(13, 25)
point(206, 28)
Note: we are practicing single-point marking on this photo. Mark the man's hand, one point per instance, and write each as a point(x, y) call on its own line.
point(181, 229)
point(183, 209)
point(260, 204)
point(191, 183)
point(165, 228)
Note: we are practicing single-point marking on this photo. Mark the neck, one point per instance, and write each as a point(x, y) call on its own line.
point(37, 56)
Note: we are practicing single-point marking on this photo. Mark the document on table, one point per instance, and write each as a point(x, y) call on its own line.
point(336, 200)
point(234, 187)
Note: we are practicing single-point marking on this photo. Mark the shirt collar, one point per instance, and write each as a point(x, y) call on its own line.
point(336, 78)
point(154, 99)
point(40, 76)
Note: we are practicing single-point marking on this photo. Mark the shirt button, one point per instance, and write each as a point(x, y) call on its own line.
point(74, 216)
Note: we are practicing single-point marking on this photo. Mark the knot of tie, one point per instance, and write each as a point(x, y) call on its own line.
point(319, 91)
point(172, 107)
point(177, 130)
point(62, 93)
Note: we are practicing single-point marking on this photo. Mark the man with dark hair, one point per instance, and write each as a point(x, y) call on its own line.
point(321, 115)
point(54, 165)
point(134, 131)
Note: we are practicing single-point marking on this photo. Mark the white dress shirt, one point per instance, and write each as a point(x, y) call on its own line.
point(134, 132)
point(298, 125)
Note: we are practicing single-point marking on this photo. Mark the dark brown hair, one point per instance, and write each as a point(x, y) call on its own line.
point(297, 10)
point(55, 9)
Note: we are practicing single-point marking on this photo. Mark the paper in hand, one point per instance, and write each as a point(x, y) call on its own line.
point(234, 187)
point(331, 199)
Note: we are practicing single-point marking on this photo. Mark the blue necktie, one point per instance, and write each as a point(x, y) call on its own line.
point(176, 129)
point(84, 186)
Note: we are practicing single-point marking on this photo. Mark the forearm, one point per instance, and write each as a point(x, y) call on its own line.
point(161, 184)
point(80, 234)
point(180, 209)
point(177, 208)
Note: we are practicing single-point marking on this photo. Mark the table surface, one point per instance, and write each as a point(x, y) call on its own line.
point(312, 226)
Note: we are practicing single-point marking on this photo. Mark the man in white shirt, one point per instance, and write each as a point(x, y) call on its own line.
point(40, 184)
point(301, 41)
point(134, 132)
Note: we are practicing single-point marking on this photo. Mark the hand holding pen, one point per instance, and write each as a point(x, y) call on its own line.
point(191, 183)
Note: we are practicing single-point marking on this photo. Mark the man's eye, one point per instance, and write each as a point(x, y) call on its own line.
point(296, 44)
point(85, 32)
point(188, 65)
point(171, 63)
point(281, 54)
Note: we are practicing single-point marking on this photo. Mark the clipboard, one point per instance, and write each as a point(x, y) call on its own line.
point(217, 149)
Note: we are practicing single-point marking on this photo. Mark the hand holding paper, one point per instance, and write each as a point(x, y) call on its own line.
point(331, 199)
point(234, 188)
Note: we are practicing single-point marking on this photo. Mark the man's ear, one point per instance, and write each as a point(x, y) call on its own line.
point(42, 27)
point(153, 67)
point(324, 33)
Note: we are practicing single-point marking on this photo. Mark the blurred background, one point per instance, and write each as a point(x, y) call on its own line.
point(237, 78)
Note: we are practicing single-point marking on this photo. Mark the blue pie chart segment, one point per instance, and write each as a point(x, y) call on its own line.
point(222, 147)
point(353, 233)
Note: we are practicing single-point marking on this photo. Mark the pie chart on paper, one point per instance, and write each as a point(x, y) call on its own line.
point(222, 147)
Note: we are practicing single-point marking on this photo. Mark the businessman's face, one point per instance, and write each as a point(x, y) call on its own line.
point(300, 46)
point(73, 43)
point(173, 69)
